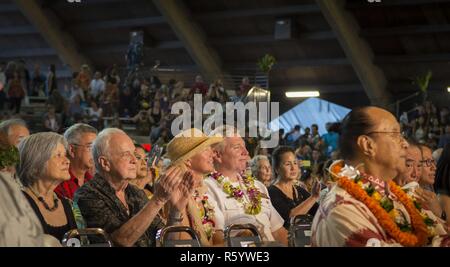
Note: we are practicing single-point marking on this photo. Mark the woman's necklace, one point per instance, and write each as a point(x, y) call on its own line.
point(41, 199)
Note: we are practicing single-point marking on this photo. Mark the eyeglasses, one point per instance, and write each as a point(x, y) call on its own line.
point(400, 135)
point(428, 162)
point(88, 147)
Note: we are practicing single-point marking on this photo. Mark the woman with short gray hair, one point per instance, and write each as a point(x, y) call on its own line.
point(43, 166)
point(261, 169)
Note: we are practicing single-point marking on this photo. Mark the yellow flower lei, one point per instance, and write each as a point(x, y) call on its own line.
point(253, 207)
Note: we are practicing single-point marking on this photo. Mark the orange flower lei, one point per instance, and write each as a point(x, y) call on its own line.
point(419, 237)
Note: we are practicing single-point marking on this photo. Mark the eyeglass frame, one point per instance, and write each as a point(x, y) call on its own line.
point(89, 147)
point(428, 162)
point(402, 134)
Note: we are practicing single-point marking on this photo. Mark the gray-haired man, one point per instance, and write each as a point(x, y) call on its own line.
point(15, 129)
point(122, 210)
point(80, 138)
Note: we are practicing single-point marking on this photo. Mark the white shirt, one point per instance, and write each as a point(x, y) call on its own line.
point(95, 114)
point(267, 221)
point(53, 124)
point(97, 87)
point(75, 92)
point(19, 225)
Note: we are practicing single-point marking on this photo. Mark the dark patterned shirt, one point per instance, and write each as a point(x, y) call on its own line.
point(101, 208)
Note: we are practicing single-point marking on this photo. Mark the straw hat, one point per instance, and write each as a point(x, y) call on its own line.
point(188, 143)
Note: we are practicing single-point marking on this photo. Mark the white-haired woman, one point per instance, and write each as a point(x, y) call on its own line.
point(43, 166)
point(261, 169)
point(191, 151)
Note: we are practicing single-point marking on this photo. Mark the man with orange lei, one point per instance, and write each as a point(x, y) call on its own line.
point(365, 207)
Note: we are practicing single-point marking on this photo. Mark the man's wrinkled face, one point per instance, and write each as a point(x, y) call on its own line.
point(82, 150)
point(413, 165)
point(234, 155)
point(122, 160)
point(16, 133)
point(386, 144)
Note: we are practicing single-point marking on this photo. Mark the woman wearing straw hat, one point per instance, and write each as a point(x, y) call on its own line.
point(191, 151)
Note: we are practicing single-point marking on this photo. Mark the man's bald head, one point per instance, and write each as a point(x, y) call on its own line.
point(373, 136)
point(356, 123)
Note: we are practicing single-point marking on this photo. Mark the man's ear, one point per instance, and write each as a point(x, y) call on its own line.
point(71, 151)
point(217, 156)
point(104, 163)
point(367, 145)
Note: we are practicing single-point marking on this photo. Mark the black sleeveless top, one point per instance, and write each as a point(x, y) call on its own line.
point(283, 204)
point(58, 231)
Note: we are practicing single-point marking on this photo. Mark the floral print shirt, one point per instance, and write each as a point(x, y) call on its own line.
point(101, 208)
point(343, 220)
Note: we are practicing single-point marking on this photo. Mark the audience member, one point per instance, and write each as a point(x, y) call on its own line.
point(15, 129)
point(80, 138)
point(144, 176)
point(51, 121)
point(108, 202)
point(51, 84)
point(97, 85)
point(199, 87)
point(442, 184)
point(16, 92)
point(191, 152)
point(240, 198)
point(366, 208)
point(43, 166)
point(287, 198)
point(261, 169)
point(19, 224)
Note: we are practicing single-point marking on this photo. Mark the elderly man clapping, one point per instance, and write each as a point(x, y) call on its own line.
point(122, 210)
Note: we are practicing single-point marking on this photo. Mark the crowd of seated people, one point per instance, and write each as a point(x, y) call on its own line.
point(104, 181)
point(81, 174)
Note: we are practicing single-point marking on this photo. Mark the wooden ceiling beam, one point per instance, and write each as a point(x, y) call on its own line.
point(357, 51)
point(275, 11)
point(47, 24)
point(406, 30)
point(390, 3)
point(193, 38)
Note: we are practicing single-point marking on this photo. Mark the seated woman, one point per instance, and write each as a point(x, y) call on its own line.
point(287, 198)
point(261, 169)
point(442, 184)
point(143, 175)
point(195, 209)
point(43, 166)
point(18, 223)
